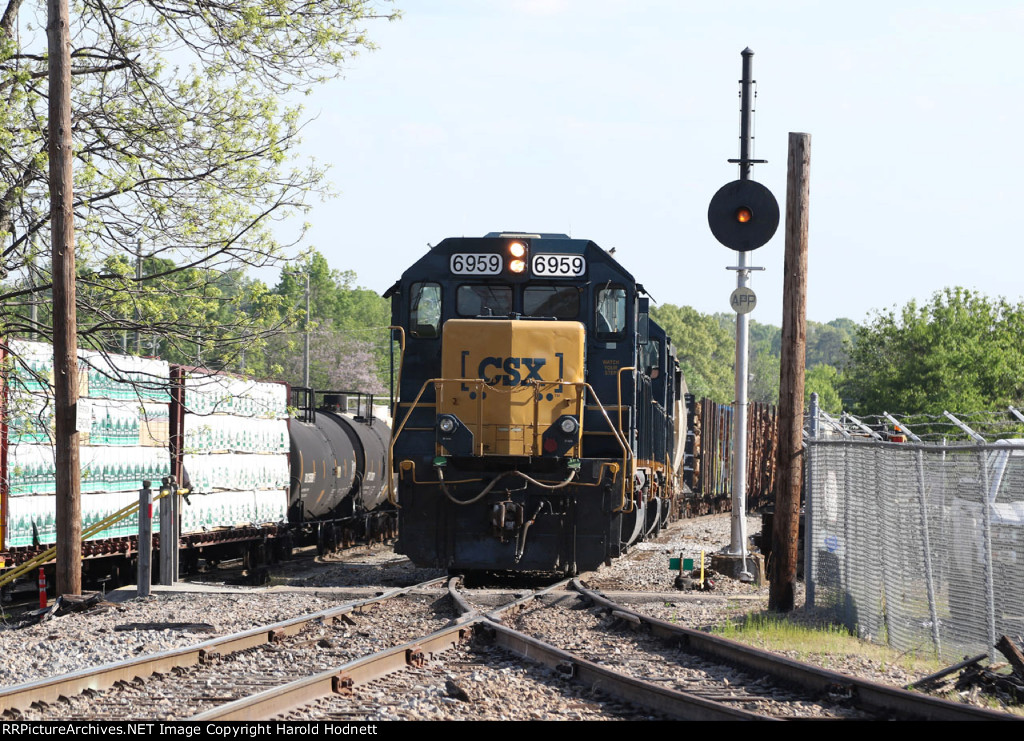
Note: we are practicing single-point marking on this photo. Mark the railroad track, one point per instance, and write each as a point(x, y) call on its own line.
point(726, 672)
point(174, 684)
point(601, 661)
point(443, 665)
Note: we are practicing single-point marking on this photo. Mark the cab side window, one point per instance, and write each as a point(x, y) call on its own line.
point(425, 310)
point(610, 312)
point(651, 353)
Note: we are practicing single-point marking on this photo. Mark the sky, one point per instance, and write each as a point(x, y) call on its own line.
point(613, 121)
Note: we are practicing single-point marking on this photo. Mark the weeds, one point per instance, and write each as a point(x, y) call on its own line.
point(822, 643)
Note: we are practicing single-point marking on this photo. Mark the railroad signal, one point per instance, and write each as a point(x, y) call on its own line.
point(743, 215)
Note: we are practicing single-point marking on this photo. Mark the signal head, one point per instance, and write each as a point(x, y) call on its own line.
point(743, 215)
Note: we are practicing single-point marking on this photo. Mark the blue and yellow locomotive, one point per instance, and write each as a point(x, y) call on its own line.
point(538, 421)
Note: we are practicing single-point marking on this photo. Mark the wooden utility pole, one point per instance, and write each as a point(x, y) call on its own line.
point(786, 525)
point(65, 321)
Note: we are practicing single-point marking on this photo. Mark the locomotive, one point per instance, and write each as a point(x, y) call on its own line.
point(539, 424)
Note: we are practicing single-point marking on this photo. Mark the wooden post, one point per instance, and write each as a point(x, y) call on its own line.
point(786, 526)
point(65, 322)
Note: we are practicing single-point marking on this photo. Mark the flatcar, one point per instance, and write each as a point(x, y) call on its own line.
point(263, 472)
point(539, 423)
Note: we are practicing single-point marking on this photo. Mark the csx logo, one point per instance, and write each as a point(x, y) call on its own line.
point(516, 370)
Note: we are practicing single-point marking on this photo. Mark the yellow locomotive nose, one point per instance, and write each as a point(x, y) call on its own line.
point(509, 381)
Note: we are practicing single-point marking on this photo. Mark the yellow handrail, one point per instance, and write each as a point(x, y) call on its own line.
point(627, 471)
point(626, 452)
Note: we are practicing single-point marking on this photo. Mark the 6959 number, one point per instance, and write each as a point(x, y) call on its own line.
point(559, 266)
point(472, 264)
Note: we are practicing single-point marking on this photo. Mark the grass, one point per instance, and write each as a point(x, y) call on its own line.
point(825, 644)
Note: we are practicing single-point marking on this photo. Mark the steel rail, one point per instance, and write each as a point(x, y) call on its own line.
point(341, 680)
point(862, 693)
point(466, 611)
point(50, 689)
point(681, 705)
point(515, 606)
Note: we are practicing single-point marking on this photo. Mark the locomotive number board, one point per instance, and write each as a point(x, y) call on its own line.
point(475, 264)
point(558, 266)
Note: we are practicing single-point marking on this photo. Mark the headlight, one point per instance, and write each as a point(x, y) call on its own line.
point(569, 425)
point(446, 425)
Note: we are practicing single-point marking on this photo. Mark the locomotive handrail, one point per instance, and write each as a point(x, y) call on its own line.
point(410, 466)
point(626, 453)
point(397, 388)
point(394, 438)
point(619, 390)
point(622, 435)
point(622, 444)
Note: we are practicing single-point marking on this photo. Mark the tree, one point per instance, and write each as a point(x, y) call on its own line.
point(763, 384)
point(960, 352)
point(705, 350)
point(827, 343)
point(339, 361)
point(823, 380)
point(182, 153)
point(348, 329)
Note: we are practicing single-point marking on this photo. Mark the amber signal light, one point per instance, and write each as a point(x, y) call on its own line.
point(744, 214)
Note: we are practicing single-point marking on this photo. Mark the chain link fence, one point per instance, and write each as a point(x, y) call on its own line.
point(918, 545)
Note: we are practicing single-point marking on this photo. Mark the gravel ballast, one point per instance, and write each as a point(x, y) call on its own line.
point(76, 641)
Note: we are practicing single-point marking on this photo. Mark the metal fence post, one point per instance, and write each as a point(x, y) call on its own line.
point(929, 578)
point(986, 519)
point(881, 506)
point(145, 568)
point(169, 532)
point(808, 505)
point(848, 527)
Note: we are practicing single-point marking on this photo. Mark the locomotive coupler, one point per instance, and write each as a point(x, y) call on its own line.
point(506, 519)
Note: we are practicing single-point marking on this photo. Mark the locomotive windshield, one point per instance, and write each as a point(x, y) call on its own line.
point(560, 302)
point(484, 300)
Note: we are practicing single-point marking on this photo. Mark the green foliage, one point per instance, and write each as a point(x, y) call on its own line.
point(763, 381)
point(824, 381)
point(348, 329)
point(960, 352)
point(825, 644)
point(183, 157)
point(705, 350)
point(827, 344)
point(707, 347)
